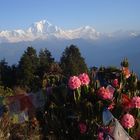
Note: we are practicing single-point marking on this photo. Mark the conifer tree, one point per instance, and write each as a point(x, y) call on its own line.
point(5, 74)
point(45, 61)
point(72, 63)
point(28, 65)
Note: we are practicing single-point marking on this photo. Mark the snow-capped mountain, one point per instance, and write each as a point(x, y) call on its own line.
point(86, 32)
point(44, 30)
point(96, 47)
point(42, 27)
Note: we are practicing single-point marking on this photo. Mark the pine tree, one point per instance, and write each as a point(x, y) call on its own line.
point(5, 74)
point(28, 65)
point(45, 61)
point(72, 63)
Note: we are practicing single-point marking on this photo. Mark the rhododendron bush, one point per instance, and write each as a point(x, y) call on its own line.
point(105, 106)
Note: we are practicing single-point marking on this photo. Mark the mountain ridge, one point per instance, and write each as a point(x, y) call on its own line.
point(44, 29)
point(97, 48)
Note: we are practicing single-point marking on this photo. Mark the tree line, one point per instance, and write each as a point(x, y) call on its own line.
point(32, 67)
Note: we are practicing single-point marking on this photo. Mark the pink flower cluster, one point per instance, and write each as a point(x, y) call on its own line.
point(115, 83)
point(100, 136)
point(82, 128)
point(135, 102)
point(84, 78)
point(128, 121)
point(76, 81)
point(126, 72)
point(126, 102)
point(105, 93)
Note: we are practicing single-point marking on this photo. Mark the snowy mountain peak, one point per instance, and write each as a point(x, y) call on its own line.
point(42, 26)
point(87, 27)
point(44, 30)
point(86, 32)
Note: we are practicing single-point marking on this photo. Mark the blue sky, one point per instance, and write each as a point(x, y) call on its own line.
point(104, 15)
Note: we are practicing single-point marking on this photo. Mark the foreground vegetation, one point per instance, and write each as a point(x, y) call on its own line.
point(80, 103)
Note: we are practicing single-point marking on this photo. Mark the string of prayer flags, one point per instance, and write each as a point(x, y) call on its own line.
point(14, 106)
point(23, 116)
point(1, 110)
point(107, 116)
point(20, 117)
point(14, 118)
point(118, 132)
point(37, 99)
point(40, 100)
point(25, 103)
point(1, 100)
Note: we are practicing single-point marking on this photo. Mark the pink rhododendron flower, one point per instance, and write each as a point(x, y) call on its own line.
point(135, 102)
point(126, 72)
point(105, 93)
point(84, 78)
point(115, 83)
point(110, 89)
point(111, 106)
point(74, 82)
point(82, 128)
point(128, 121)
point(126, 102)
point(100, 136)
